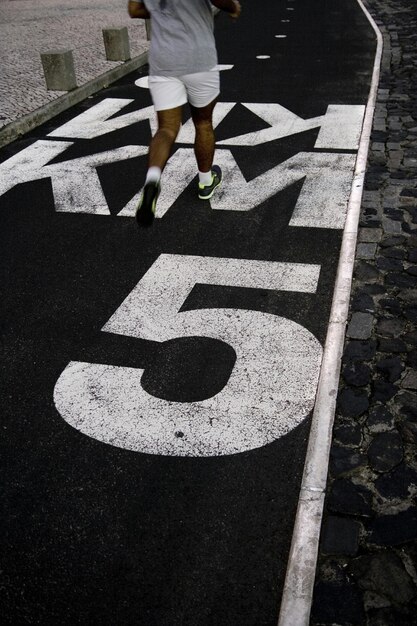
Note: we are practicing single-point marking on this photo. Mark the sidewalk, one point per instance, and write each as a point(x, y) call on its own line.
point(29, 28)
point(368, 554)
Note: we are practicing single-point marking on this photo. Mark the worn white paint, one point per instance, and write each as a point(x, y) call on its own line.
point(149, 311)
point(30, 163)
point(283, 123)
point(224, 67)
point(341, 126)
point(142, 82)
point(75, 183)
point(180, 170)
point(321, 203)
point(271, 387)
point(95, 121)
point(323, 199)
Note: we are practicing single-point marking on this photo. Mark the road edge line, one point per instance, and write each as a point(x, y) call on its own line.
point(36, 118)
point(297, 595)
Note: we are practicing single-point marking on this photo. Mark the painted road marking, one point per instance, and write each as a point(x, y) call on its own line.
point(340, 126)
point(271, 388)
point(180, 172)
point(112, 488)
point(77, 189)
point(322, 201)
point(75, 183)
point(95, 121)
point(278, 363)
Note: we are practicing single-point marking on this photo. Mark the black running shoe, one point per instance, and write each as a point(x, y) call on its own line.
point(206, 191)
point(145, 212)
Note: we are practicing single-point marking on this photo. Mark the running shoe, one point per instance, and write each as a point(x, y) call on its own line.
point(145, 212)
point(206, 191)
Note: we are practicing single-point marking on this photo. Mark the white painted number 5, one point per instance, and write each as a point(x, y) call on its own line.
point(271, 387)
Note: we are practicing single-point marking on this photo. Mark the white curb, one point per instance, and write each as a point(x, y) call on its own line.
point(301, 570)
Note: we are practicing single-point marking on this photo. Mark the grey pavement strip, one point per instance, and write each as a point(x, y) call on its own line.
point(299, 582)
point(30, 121)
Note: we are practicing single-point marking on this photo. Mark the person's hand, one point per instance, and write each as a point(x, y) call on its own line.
point(237, 10)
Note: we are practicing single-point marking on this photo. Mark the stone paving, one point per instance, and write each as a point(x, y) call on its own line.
point(29, 27)
point(368, 553)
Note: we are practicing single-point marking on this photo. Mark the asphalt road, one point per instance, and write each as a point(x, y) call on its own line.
point(158, 384)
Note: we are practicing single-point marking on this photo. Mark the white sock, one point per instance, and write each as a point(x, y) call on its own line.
point(205, 178)
point(153, 174)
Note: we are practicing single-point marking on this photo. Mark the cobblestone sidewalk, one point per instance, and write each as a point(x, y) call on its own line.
point(368, 554)
point(29, 27)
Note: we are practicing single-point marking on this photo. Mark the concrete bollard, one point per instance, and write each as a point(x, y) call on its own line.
point(116, 43)
point(58, 69)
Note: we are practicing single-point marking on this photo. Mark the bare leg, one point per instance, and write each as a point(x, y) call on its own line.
point(204, 136)
point(169, 123)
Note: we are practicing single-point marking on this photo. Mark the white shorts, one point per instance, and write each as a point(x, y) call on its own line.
point(199, 89)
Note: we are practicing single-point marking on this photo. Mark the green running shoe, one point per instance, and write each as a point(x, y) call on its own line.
point(206, 191)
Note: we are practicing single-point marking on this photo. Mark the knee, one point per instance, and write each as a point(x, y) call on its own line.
point(204, 125)
point(170, 131)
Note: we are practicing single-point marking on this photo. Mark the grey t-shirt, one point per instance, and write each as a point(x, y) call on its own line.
point(182, 40)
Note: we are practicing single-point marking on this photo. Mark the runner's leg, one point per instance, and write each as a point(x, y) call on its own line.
point(204, 136)
point(169, 123)
point(210, 176)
